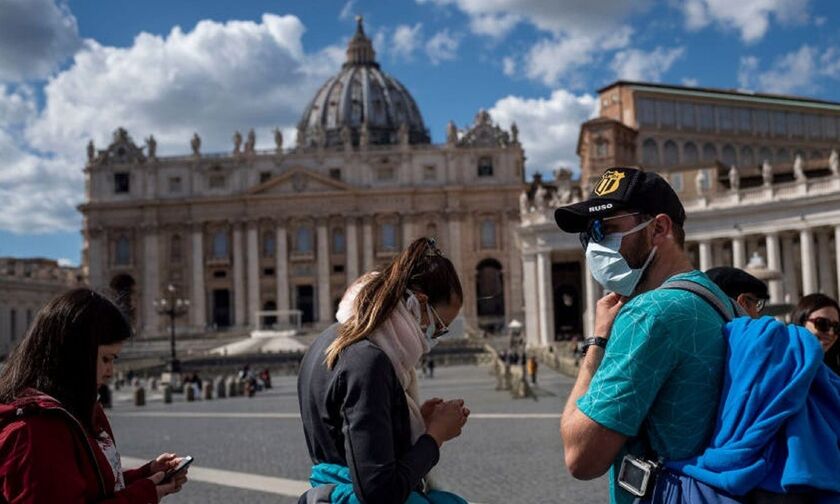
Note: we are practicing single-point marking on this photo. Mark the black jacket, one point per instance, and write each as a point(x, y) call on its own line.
point(356, 415)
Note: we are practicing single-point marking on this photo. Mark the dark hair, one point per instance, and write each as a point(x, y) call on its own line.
point(809, 304)
point(421, 268)
point(58, 355)
point(735, 281)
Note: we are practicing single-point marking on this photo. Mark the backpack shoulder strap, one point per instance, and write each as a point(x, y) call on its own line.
point(727, 313)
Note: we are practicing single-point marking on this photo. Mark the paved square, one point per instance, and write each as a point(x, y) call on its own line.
point(253, 450)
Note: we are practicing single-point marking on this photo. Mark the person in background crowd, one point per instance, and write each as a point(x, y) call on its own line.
point(56, 444)
point(820, 314)
point(748, 291)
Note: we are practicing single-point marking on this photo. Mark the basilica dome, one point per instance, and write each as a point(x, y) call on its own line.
point(362, 105)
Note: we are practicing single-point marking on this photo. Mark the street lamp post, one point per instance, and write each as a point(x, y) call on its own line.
point(172, 306)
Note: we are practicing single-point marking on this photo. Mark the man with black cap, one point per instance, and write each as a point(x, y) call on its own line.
point(748, 291)
point(650, 380)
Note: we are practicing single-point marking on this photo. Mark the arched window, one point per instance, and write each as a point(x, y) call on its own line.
point(690, 153)
point(122, 255)
point(339, 244)
point(303, 240)
point(388, 236)
point(602, 148)
point(650, 153)
point(490, 294)
point(709, 152)
point(747, 157)
point(175, 249)
point(269, 244)
point(220, 245)
point(488, 234)
point(672, 154)
point(728, 156)
point(485, 166)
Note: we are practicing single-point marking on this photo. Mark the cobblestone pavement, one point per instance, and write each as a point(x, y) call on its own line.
point(510, 450)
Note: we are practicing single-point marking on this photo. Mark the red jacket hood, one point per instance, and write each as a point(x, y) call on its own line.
point(28, 401)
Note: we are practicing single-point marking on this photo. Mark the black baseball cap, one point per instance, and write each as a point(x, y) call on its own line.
point(735, 281)
point(622, 188)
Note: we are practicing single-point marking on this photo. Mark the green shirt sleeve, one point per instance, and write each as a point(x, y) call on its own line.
point(637, 362)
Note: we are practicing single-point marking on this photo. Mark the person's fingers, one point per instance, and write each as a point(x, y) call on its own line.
point(157, 477)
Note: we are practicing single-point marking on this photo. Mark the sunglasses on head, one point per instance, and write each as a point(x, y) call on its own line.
point(825, 325)
point(759, 303)
point(595, 231)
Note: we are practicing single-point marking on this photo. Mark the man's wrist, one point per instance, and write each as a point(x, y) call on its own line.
point(593, 341)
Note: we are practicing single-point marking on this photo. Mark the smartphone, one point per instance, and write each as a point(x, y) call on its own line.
point(183, 464)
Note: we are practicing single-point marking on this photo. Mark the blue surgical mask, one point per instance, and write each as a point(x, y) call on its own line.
point(610, 268)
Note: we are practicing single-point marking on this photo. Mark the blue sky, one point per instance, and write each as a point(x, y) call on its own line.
point(76, 70)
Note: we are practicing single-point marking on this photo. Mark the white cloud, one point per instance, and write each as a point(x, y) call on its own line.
point(830, 63)
point(690, 82)
point(16, 107)
point(35, 36)
point(347, 11)
point(63, 261)
point(406, 40)
point(750, 17)
point(442, 46)
point(214, 79)
point(794, 72)
point(637, 65)
point(548, 127)
point(509, 66)
point(496, 26)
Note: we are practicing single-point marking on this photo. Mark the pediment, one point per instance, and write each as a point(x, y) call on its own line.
point(299, 181)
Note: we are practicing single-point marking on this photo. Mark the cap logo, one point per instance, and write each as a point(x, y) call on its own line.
point(609, 183)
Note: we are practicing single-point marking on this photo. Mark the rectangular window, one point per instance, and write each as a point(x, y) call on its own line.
point(795, 123)
point(744, 120)
point(121, 183)
point(725, 118)
point(665, 111)
point(829, 128)
point(338, 268)
point(687, 116)
point(762, 122)
point(647, 112)
point(217, 181)
point(265, 177)
point(779, 123)
point(706, 117)
point(335, 173)
point(388, 237)
point(303, 240)
point(429, 172)
point(219, 274)
point(488, 234)
point(385, 173)
point(677, 182)
point(175, 185)
point(269, 272)
point(814, 126)
point(485, 167)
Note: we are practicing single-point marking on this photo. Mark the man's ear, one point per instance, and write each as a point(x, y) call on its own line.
point(662, 229)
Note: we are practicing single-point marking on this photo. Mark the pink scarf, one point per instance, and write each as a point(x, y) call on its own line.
point(401, 338)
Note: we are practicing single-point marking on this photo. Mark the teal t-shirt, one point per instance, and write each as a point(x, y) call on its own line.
point(663, 365)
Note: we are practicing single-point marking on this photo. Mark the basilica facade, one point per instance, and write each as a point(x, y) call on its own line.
point(287, 229)
point(758, 174)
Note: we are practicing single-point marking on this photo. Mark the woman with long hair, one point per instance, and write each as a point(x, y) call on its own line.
point(56, 444)
point(820, 314)
point(370, 439)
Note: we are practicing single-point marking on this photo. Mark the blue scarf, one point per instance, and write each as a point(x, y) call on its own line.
point(342, 493)
point(778, 424)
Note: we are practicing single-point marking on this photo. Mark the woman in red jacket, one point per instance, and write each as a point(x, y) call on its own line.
point(55, 442)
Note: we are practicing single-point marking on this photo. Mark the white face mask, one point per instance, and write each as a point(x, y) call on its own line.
point(610, 268)
point(413, 306)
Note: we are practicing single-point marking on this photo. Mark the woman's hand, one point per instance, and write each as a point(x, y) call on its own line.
point(446, 420)
point(164, 462)
point(172, 486)
point(428, 408)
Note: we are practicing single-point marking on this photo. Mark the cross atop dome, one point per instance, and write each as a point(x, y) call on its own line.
point(360, 49)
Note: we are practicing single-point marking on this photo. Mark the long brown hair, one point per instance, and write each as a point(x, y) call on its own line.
point(58, 355)
point(422, 268)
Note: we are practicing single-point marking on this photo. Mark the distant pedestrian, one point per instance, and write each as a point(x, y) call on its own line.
point(532, 369)
point(431, 365)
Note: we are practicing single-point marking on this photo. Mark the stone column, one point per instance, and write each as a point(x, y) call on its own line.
point(198, 315)
point(774, 263)
point(367, 244)
point(282, 268)
point(407, 231)
point(96, 258)
point(238, 278)
point(809, 266)
point(324, 304)
point(151, 281)
point(529, 287)
point(253, 250)
point(592, 293)
point(352, 244)
point(739, 252)
point(717, 253)
point(826, 275)
point(837, 254)
point(546, 297)
point(455, 238)
point(705, 255)
point(791, 280)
